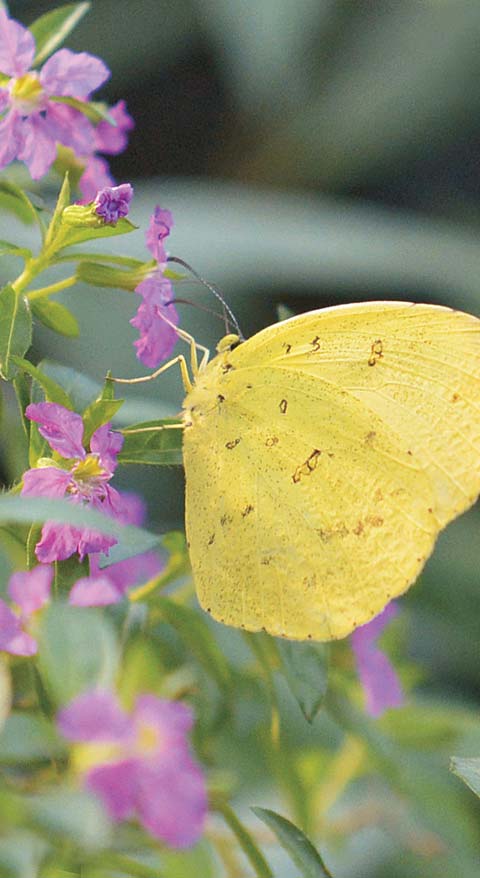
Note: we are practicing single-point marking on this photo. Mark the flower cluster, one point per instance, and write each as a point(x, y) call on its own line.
point(82, 478)
point(30, 592)
point(143, 767)
point(36, 116)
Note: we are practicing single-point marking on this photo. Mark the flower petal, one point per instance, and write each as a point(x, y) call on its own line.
point(157, 338)
point(9, 625)
point(30, 589)
point(94, 591)
point(17, 46)
point(377, 676)
point(70, 127)
point(62, 428)
point(58, 542)
point(11, 138)
point(172, 800)
point(161, 222)
point(172, 719)
point(107, 443)
point(113, 202)
point(116, 787)
point(39, 147)
point(112, 139)
point(95, 715)
point(46, 481)
point(73, 74)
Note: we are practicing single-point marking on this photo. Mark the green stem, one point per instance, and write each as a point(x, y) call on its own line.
point(43, 292)
point(132, 867)
point(245, 840)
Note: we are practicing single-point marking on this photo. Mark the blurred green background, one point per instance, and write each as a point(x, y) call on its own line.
point(312, 152)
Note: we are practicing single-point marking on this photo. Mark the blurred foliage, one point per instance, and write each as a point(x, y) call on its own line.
point(312, 152)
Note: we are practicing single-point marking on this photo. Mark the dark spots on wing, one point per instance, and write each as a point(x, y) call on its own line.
point(430, 510)
point(248, 509)
point(287, 347)
point(211, 539)
point(376, 352)
point(227, 367)
point(220, 398)
point(226, 519)
point(378, 496)
point(369, 437)
point(271, 441)
point(249, 386)
point(232, 444)
point(374, 520)
point(316, 343)
point(337, 530)
point(409, 452)
point(455, 397)
point(283, 406)
point(307, 466)
point(209, 609)
point(359, 528)
point(330, 454)
point(188, 544)
point(309, 636)
point(265, 562)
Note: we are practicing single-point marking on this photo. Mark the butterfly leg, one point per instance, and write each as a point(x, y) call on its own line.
point(183, 370)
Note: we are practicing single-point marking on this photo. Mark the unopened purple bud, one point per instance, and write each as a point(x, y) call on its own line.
point(113, 202)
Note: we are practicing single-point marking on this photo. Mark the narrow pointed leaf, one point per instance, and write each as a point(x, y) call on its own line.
point(52, 29)
point(299, 848)
point(55, 316)
point(96, 112)
point(9, 249)
point(53, 391)
point(73, 234)
point(151, 445)
point(62, 201)
point(15, 329)
point(13, 199)
point(305, 668)
point(468, 770)
point(98, 413)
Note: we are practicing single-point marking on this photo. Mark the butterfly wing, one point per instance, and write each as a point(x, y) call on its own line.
point(323, 457)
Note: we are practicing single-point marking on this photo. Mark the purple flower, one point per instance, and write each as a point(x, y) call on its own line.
point(144, 768)
point(84, 480)
point(113, 202)
point(110, 139)
point(157, 337)
point(30, 591)
point(377, 676)
point(33, 122)
point(110, 584)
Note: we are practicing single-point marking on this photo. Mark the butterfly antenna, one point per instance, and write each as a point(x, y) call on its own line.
point(216, 293)
point(180, 301)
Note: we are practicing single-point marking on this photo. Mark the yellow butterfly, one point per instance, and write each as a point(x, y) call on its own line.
point(322, 458)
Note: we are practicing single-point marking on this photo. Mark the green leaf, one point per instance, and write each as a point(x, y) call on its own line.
point(8, 249)
point(245, 840)
point(56, 221)
point(27, 738)
point(13, 199)
point(52, 29)
point(98, 275)
point(77, 651)
point(98, 413)
point(305, 668)
point(53, 391)
point(55, 316)
point(153, 446)
point(127, 261)
point(297, 845)
point(76, 234)
point(15, 329)
point(194, 632)
point(468, 770)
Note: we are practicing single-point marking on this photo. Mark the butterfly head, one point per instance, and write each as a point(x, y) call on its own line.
point(228, 343)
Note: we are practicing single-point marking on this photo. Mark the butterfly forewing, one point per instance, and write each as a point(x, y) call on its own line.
point(323, 457)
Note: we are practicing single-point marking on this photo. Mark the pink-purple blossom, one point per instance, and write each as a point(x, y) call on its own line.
point(82, 477)
point(29, 591)
point(113, 202)
point(34, 122)
point(157, 336)
point(379, 680)
point(109, 585)
point(144, 768)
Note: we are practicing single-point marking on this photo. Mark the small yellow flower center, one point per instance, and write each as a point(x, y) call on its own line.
point(147, 739)
point(27, 93)
point(88, 469)
point(87, 756)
